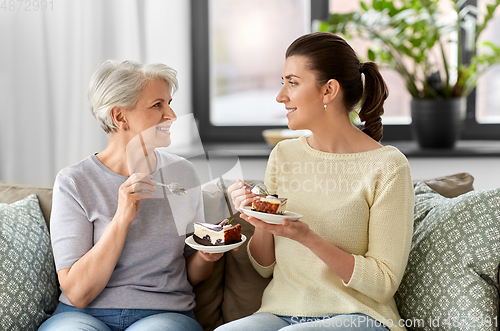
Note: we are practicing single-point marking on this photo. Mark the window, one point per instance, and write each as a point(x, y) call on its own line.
point(397, 114)
point(488, 98)
point(238, 54)
point(397, 105)
point(246, 56)
point(483, 108)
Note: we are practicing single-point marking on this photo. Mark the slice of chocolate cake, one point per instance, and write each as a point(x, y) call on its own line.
point(216, 235)
point(270, 204)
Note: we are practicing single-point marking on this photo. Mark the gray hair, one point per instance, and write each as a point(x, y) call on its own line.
point(120, 84)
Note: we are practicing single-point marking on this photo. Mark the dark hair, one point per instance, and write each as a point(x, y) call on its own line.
point(331, 57)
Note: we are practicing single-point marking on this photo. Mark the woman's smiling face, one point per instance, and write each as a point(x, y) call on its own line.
point(300, 94)
point(152, 115)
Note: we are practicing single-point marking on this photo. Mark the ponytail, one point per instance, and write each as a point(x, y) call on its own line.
point(372, 102)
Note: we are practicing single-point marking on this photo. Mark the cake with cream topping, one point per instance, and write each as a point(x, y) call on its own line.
point(270, 204)
point(224, 233)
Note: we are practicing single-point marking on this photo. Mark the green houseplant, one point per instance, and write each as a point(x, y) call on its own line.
point(426, 47)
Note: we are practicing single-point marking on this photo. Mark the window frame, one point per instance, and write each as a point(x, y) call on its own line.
point(474, 130)
point(253, 134)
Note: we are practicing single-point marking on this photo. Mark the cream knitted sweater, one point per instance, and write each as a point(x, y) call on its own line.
point(360, 202)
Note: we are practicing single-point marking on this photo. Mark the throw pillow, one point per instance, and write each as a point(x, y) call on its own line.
point(28, 286)
point(450, 186)
point(10, 193)
point(451, 280)
point(214, 203)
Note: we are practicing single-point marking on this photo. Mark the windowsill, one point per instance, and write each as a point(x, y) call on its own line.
point(250, 150)
point(463, 148)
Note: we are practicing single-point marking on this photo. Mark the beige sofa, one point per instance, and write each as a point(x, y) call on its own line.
point(234, 290)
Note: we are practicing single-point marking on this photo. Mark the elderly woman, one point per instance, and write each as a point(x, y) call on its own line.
point(119, 251)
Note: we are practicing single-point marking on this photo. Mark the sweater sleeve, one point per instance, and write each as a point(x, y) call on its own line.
point(264, 271)
point(378, 273)
point(71, 231)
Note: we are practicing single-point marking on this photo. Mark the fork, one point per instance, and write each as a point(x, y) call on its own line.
point(258, 188)
point(174, 187)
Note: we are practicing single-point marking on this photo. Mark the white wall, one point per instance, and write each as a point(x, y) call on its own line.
point(46, 60)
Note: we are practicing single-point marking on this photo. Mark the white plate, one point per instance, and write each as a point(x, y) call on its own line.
point(214, 249)
point(271, 218)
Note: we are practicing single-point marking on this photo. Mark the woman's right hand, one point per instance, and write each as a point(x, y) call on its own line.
point(137, 187)
point(240, 193)
point(262, 243)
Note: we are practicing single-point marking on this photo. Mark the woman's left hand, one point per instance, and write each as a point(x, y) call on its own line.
point(339, 261)
point(295, 230)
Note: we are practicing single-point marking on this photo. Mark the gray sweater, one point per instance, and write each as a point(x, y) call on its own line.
point(151, 271)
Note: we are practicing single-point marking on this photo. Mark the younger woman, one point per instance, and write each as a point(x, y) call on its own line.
point(340, 265)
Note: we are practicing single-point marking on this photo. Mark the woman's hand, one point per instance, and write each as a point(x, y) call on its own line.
point(339, 261)
point(295, 230)
point(242, 196)
point(130, 194)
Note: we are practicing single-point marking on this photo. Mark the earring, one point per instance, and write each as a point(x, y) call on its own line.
point(126, 129)
point(325, 107)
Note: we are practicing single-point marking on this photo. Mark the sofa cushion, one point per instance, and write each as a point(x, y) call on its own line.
point(10, 193)
point(234, 289)
point(243, 286)
point(209, 294)
point(27, 273)
point(451, 277)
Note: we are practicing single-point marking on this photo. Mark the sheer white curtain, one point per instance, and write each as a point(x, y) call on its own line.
point(46, 60)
